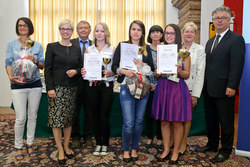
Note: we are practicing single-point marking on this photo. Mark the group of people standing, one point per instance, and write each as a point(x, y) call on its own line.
point(169, 103)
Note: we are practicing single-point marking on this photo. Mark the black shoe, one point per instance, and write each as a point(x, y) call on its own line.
point(69, 156)
point(127, 160)
point(62, 161)
point(206, 149)
point(167, 157)
point(172, 162)
point(134, 158)
point(219, 158)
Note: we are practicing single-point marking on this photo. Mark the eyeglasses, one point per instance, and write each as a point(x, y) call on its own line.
point(170, 33)
point(22, 25)
point(220, 18)
point(65, 29)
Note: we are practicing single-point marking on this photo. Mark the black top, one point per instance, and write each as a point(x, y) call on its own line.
point(116, 60)
point(58, 60)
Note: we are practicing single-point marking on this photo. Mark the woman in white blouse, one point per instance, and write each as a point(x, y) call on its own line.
point(197, 69)
point(100, 93)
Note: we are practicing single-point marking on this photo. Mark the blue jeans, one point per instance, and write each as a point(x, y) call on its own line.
point(133, 113)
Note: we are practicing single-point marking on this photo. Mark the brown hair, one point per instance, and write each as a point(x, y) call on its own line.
point(142, 39)
point(177, 31)
point(29, 24)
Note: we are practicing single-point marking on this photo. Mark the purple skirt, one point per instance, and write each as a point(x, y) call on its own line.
point(172, 101)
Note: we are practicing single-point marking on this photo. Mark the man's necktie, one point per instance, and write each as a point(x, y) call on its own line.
point(83, 48)
point(216, 42)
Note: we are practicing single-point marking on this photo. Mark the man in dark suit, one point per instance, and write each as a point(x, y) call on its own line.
point(83, 30)
point(224, 64)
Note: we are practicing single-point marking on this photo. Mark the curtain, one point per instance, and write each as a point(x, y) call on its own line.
point(119, 14)
point(46, 15)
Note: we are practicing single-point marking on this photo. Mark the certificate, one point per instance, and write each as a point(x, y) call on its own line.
point(129, 52)
point(93, 66)
point(167, 59)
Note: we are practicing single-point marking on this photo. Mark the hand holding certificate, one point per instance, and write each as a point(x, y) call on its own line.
point(167, 59)
point(93, 66)
point(129, 52)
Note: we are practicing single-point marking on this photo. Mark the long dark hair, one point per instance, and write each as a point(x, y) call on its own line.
point(29, 24)
point(142, 39)
point(177, 31)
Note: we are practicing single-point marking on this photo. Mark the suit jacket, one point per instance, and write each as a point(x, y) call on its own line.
point(76, 42)
point(197, 69)
point(116, 60)
point(225, 65)
point(58, 60)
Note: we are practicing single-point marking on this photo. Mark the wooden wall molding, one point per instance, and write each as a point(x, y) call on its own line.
point(189, 10)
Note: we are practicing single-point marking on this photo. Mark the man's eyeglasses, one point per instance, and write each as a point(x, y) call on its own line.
point(65, 29)
point(220, 18)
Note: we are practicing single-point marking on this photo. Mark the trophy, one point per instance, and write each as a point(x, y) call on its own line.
point(29, 44)
point(106, 61)
point(182, 54)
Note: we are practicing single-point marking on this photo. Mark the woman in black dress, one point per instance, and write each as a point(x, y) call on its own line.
point(62, 69)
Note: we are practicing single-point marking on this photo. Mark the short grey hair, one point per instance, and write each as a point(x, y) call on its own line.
point(83, 22)
point(66, 21)
point(223, 9)
point(188, 25)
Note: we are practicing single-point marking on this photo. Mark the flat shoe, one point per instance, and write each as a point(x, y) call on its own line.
point(127, 160)
point(31, 153)
point(134, 158)
point(19, 155)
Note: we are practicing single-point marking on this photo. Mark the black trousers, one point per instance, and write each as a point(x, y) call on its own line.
point(219, 111)
point(150, 121)
point(100, 100)
point(82, 102)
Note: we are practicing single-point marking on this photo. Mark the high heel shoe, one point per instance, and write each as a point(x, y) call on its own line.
point(62, 161)
point(69, 156)
point(172, 162)
point(167, 157)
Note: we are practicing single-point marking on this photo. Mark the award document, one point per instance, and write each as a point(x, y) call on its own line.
point(167, 59)
point(93, 66)
point(129, 52)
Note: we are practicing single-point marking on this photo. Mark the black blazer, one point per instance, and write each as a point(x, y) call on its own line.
point(116, 60)
point(225, 65)
point(58, 60)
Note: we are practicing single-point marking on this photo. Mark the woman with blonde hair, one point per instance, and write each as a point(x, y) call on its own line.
point(197, 70)
point(62, 69)
point(100, 93)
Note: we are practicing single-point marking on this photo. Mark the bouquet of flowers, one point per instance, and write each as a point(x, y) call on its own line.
point(23, 67)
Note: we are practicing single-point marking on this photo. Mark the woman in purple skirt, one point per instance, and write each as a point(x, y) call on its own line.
point(172, 102)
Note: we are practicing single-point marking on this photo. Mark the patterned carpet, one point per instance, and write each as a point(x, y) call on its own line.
point(47, 156)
